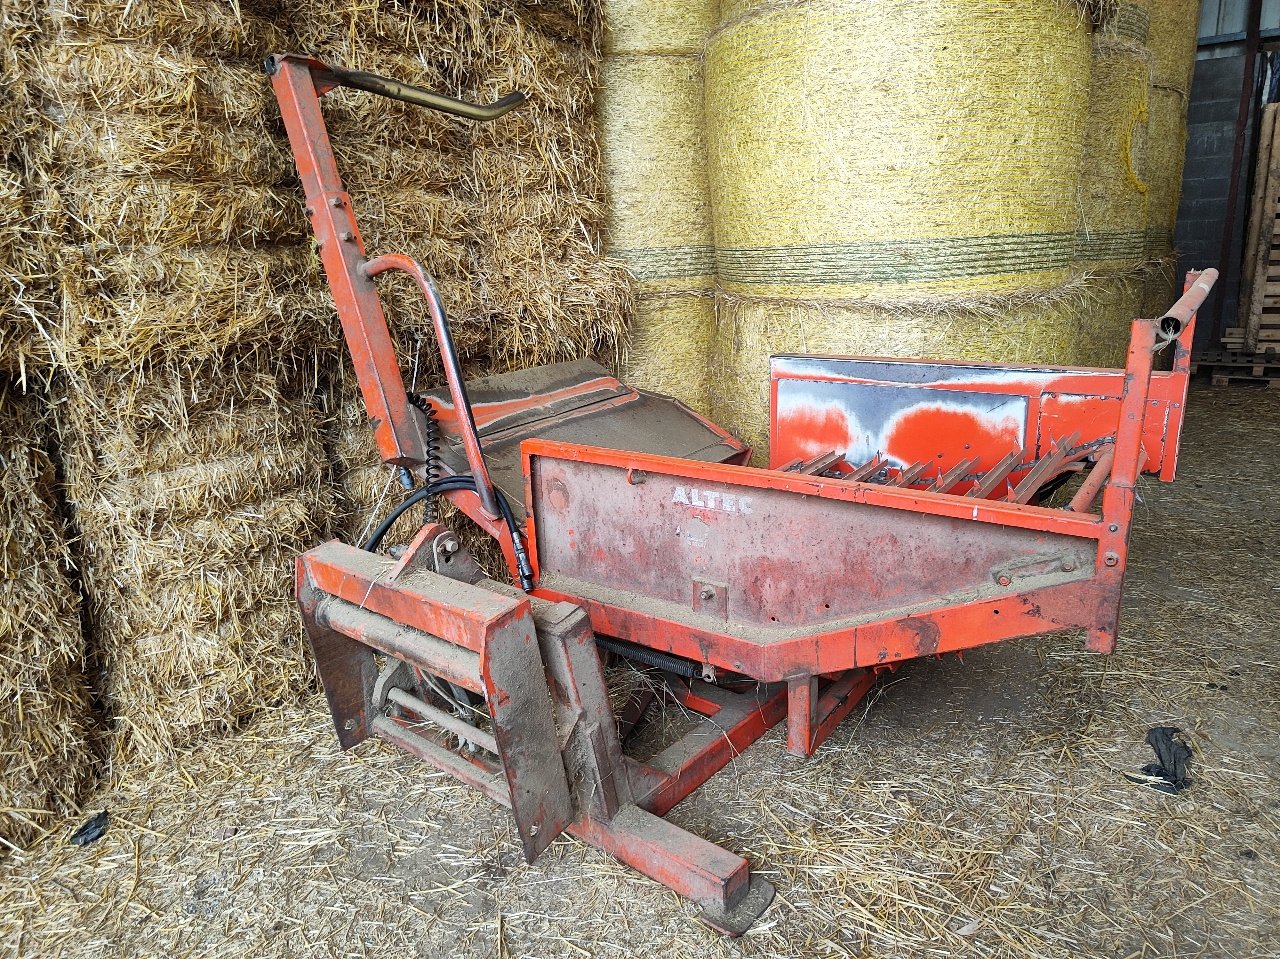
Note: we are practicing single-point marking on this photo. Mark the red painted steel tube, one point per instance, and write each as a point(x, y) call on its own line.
point(452, 369)
point(1182, 312)
point(1082, 502)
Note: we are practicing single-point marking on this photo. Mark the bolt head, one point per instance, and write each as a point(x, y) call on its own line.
point(1068, 566)
point(1112, 559)
point(1003, 580)
point(335, 201)
point(707, 593)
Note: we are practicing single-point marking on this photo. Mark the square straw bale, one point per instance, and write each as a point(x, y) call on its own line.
point(47, 724)
point(194, 489)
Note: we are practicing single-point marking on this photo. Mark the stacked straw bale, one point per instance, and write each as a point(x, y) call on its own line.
point(1172, 41)
point(26, 287)
point(550, 291)
point(47, 727)
point(651, 125)
point(191, 315)
point(184, 239)
point(1114, 191)
point(193, 490)
point(939, 225)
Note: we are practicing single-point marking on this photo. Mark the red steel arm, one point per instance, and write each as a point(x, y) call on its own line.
point(396, 428)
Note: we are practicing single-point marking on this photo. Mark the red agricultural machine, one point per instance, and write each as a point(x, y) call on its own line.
point(905, 514)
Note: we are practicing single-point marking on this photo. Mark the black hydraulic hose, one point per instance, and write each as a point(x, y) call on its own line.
point(448, 484)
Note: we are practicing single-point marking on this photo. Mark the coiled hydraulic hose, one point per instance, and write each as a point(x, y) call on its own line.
point(431, 449)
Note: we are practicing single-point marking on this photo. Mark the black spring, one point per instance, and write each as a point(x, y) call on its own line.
point(432, 451)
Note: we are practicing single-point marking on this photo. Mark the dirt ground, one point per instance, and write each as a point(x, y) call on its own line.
point(974, 808)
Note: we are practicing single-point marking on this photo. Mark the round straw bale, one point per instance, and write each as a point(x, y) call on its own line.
point(671, 345)
point(1174, 28)
point(954, 171)
point(659, 216)
point(47, 726)
point(1113, 185)
point(655, 164)
point(1073, 324)
point(658, 26)
point(1160, 289)
point(1167, 155)
point(193, 488)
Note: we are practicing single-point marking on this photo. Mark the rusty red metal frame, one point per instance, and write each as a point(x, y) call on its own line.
point(808, 584)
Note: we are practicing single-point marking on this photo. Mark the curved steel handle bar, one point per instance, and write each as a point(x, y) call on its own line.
point(452, 369)
point(326, 77)
point(1174, 322)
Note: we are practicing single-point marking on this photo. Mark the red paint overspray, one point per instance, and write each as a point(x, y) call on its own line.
point(806, 432)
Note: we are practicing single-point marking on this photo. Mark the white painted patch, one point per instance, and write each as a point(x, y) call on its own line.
point(721, 502)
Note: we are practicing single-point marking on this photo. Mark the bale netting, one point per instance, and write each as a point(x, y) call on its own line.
point(1113, 185)
point(832, 176)
point(47, 725)
point(659, 225)
point(1079, 323)
point(1128, 22)
point(193, 489)
point(551, 292)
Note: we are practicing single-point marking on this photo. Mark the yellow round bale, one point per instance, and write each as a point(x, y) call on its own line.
point(659, 212)
point(655, 165)
point(1166, 156)
point(1174, 28)
point(897, 149)
point(1113, 179)
point(658, 26)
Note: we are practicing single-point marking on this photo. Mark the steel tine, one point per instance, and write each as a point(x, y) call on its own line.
point(1063, 451)
point(987, 483)
point(910, 474)
point(953, 476)
point(866, 469)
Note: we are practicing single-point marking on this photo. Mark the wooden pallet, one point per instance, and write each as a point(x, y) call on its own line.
point(1259, 317)
point(1228, 378)
point(1233, 366)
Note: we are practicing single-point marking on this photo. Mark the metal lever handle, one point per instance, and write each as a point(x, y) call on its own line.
point(327, 77)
